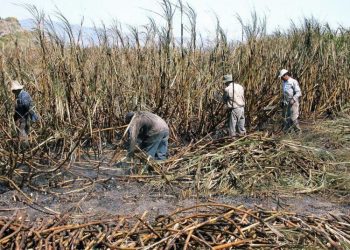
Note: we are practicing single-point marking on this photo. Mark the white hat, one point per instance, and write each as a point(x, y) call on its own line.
point(282, 72)
point(15, 85)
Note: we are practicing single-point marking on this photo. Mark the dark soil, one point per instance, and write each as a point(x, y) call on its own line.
point(126, 197)
point(114, 193)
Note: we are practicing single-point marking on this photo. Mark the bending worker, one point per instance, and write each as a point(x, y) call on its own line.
point(149, 132)
point(290, 102)
point(234, 99)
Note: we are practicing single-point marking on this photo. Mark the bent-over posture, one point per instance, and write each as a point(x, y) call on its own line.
point(149, 132)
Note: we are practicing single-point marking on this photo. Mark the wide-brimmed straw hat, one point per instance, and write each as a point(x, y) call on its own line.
point(15, 85)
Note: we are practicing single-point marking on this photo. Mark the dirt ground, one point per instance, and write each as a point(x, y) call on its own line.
point(112, 193)
point(130, 197)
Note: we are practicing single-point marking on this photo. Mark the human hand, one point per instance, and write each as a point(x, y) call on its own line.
point(292, 101)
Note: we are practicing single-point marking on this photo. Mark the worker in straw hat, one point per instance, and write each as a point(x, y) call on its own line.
point(24, 112)
point(150, 132)
point(234, 99)
point(290, 102)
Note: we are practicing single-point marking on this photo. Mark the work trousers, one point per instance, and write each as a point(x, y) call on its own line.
point(156, 145)
point(290, 115)
point(23, 126)
point(237, 121)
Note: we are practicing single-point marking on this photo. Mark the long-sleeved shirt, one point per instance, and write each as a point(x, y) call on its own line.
point(291, 90)
point(234, 95)
point(144, 125)
point(23, 105)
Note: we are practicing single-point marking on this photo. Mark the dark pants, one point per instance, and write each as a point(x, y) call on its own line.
point(156, 145)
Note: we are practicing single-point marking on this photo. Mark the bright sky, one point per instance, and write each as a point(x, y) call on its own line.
point(135, 12)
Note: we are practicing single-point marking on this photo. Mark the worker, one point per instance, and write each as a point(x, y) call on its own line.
point(24, 113)
point(290, 102)
point(150, 132)
point(234, 98)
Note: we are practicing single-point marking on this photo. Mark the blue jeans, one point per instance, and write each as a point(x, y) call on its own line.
point(156, 145)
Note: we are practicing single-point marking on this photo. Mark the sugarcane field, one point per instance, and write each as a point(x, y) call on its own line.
point(160, 137)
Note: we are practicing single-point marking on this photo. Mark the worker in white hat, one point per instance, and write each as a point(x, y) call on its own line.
point(234, 99)
point(291, 94)
point(23, 112)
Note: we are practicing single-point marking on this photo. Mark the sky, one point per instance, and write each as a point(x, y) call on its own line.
point(279, 13)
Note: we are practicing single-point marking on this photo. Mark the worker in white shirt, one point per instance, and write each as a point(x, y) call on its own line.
point(290, 102)
point(234, 99)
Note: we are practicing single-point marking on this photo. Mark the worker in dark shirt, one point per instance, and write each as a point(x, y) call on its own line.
point(23, 112)
point(149, 132)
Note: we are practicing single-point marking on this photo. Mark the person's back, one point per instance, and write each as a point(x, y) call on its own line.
point(235, 95)
point(23, 112)
point(234, 99)
point(151, 131)
point(23, 104)
point(147, 124)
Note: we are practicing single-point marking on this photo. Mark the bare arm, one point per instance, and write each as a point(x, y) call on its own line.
point(134, 130)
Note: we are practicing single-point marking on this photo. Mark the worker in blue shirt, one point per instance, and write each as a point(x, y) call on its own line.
point(24, 113)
